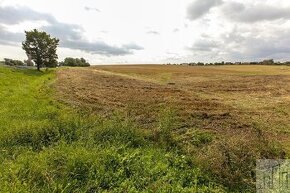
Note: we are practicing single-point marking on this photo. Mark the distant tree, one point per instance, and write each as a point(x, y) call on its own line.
point(11, 62)
point(41, 47)
point(74, 62)
point(84, 62)
point(268, 62)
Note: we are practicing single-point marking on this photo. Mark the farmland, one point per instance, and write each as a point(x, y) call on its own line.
point(216, 99)
point(141, 128)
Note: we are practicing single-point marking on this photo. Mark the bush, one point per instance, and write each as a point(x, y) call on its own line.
point(81, 62)
point(232, 160)
point(11, 62)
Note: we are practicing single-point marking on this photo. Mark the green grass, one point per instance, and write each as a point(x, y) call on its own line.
point(24, 102)
point(46, 146)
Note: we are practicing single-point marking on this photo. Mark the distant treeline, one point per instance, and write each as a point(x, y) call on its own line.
point(264, 62)
point(11, 62)
point(75, 62)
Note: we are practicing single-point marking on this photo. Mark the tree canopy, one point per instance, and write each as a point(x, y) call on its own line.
point(74, 62)
point(41, 48)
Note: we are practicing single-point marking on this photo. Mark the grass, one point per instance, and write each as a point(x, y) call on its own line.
point(86, 130)
point(47, 146)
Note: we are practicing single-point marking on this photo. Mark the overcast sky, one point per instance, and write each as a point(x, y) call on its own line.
point(152, 31)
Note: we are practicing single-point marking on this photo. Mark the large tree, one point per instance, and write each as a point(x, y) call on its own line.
point(41, 47)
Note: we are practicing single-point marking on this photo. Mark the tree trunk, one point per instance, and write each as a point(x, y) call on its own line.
point(38, 60)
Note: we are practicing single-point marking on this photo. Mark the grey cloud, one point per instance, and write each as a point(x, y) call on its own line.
point(91, 9)
point(244, 43)
point(234, 39)
point(239, 46)
point(70, 35)
point(15, 15)
point(254, 13)
point(204, 45)
point(10, 38)
point(132, 46)
point(175, 30)
point(199, 8)
point(64, 31)
point(96, 48)
point(260, 48)
point(205, 35)
point(153, 32)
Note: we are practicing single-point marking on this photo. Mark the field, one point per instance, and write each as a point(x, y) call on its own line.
point(221, 99)
point(141, 128)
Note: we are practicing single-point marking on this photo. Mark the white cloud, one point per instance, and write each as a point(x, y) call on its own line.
point(199, 8)
point(153, 32)
point(91, 9)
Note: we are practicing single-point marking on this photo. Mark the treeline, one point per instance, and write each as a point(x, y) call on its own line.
point(74, 62)
point(11, 62)
point(264, 62)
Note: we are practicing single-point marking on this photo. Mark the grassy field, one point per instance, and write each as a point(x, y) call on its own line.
point(141, 128)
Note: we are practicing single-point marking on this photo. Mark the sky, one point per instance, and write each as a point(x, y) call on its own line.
point(151, 31)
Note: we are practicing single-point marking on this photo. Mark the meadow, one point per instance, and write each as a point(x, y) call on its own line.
point(141, 128)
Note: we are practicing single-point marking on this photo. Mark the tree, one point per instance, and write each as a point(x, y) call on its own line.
point(81, 62)
point(41, 47)
point(268, 62)
point(11, 62)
